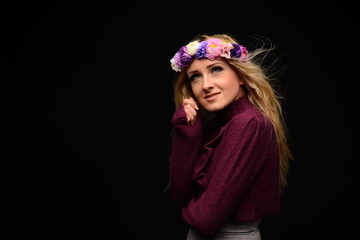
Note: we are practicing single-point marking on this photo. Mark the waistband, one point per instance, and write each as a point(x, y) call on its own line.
point(241, 227)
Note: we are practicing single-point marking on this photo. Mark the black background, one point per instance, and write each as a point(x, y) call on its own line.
point(90, 101)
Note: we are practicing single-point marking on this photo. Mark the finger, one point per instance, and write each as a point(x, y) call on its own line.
point(187, 101)
point(190, 110)
point(193, 103)
point(192, 122)
point(190, 113)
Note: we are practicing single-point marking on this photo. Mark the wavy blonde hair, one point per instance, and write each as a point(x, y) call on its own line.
point(261, 94)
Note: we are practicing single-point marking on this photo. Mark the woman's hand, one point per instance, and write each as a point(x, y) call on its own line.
point(190, 108)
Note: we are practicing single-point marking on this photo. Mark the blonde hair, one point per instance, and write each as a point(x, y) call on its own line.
point(260, 92)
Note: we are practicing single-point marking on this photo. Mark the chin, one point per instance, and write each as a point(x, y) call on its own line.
point(214, 107)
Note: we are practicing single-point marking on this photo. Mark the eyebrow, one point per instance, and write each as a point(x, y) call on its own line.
point(208, 66)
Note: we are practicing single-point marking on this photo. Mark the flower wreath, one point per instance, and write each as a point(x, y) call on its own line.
point(212, 48)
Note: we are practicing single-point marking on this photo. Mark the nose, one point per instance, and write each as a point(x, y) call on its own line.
point(207, 83)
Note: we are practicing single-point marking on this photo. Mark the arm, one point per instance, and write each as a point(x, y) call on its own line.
point(186, 143)
point(239, 158)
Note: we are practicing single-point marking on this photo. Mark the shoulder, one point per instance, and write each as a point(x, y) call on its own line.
point(251, 116)
point(251, 122)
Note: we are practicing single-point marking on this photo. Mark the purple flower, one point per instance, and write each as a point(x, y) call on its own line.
point(185, 58)
point(236, 51)
point(201, 52)
point(177, 60)
point(175, 63)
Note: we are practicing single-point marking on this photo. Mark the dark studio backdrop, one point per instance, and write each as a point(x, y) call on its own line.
point(91, 90)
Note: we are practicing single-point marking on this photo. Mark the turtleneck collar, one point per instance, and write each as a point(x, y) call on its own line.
point(235, 108)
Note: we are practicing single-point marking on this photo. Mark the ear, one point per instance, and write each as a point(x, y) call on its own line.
point(240, 78)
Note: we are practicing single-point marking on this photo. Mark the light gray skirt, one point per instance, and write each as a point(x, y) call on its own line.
point(231, 231)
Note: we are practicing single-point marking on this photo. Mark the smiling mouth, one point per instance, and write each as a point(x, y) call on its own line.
point(210, 96)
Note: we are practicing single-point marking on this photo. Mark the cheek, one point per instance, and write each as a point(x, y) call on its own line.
point(234, 82)
point(196, 89)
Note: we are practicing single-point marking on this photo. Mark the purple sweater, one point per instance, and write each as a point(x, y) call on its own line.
point(228, 172)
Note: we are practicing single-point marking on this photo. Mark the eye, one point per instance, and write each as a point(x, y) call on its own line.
point(216, 69)
point(193, 77)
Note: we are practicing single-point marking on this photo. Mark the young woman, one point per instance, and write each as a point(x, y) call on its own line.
point(230, 156)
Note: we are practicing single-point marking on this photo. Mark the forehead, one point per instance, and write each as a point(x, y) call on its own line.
point(199, 64)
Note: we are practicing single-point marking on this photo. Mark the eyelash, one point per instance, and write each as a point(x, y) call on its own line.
point(217, 69)
point(213, 69)
point(193, 77)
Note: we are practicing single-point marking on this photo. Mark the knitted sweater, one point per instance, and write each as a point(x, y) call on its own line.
point(228, 172)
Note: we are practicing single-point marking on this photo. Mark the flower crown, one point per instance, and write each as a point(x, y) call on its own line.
point(212, 48)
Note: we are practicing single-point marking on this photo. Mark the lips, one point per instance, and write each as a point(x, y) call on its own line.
point(211, 96)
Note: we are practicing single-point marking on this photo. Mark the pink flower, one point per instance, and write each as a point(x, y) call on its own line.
point(225, 50)
point(244, 54)
point(213, 49)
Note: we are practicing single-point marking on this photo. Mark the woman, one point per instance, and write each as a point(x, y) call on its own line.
point(229, 157)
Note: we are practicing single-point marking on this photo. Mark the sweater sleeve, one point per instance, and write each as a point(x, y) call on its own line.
point(240, 155)
point(186, 143)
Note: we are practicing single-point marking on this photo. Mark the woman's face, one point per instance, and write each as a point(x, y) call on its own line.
point(214, 83)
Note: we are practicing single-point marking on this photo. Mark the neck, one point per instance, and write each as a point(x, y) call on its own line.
point(234, 108)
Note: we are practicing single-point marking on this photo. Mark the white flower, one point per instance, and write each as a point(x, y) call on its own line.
point(192, 47)
point(174, 66)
